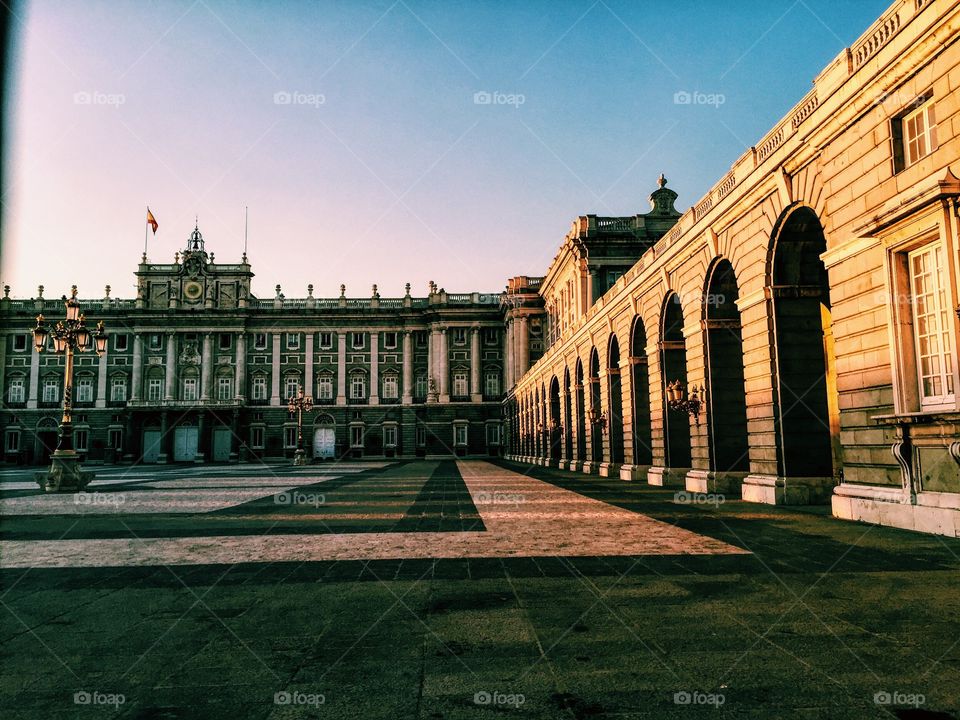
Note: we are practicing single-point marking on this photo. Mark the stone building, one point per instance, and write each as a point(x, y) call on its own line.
point(197, 368)
point(792, 338)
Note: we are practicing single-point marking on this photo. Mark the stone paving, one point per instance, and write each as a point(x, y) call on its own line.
point(445, 590)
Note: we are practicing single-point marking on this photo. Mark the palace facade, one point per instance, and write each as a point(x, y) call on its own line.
point(790, 338)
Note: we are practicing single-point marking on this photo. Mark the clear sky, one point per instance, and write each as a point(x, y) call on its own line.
point(353, 131)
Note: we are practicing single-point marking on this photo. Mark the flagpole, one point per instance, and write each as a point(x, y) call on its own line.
point(145, 236)
point(246, 223)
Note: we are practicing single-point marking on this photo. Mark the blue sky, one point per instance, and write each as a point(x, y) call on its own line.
point(382, 167)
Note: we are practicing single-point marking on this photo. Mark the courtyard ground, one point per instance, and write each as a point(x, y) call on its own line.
point(459, 589)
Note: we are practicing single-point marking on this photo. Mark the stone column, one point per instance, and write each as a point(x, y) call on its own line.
point(341, 368)
point(508, 357)
point(476, 393)
point(275, 371)
point(136, 379)
point(374, 397)
point(101, 380)
point(170, 382)
point(433, 379)
point(206, 366)
point(240, 368)
point(443, 362)
point(524, 363)
point(308, 364)
point(407, 367)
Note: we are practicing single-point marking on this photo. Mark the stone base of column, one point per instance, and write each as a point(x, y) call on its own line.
point(709, 481)
point(634, 472)
point(609, 470)
point(476, 397)
point(590, 468)
point(444, 398)
point(407, 400)
point(777, 490)
point(552, 463)
point(667, 477)
point(373, 400)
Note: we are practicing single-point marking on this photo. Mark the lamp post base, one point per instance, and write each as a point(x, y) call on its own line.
point(300, 457)
point(64, 474)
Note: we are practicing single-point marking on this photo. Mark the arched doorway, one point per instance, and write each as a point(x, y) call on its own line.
point(615, 409)
point(673, 363)
point(726, 392)
point(555, 430)
point(324, 437)
point(806, 408)
point(642, 441)
point(581, 413)
point(596, 436)
point(567, 417)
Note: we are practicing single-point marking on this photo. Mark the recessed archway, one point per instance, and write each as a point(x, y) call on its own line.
point(581, 412)
point(555, 432)
point(642, 442)
point(673, 364)
point(567, 417)
point(615, 409)
point(596, 439)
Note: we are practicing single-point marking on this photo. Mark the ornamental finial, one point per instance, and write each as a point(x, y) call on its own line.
point(73, 292)
point(661, 181)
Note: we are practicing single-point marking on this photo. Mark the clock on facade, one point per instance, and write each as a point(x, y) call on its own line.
point(192, 290)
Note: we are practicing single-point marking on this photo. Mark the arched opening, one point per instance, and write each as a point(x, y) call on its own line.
point(537, 425)
point(581, 413)
point(642, 442)
point(615, 411)
point(556, 432)
point(727, 403)
point(596, 437)
point(673, 362)
point(807, 412)
point(567, 417)
point(324, 437)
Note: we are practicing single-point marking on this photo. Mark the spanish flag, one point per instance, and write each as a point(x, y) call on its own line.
point(152, 221)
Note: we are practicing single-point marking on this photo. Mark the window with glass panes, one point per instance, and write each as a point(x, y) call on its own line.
point(358, 387)
point(390, 435)
point(115, 438)
point(460, 383)
point(51, 390)
point(16, 390)
point(118, 388)
point(190, 385)
point(931, 326)
point(420, 386)
point(155, 389)
point(493, 383)
point(224, 388)
point(356, 436)
point(290, 436)
point(919, 133)
point(259, 390)
point(256, 438)
point(390, 386)
point(325, 387)
point(84, 389)
point(291, 385)
point(460, 435)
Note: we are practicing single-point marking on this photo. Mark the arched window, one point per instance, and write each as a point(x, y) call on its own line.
point(154, 385)
point(190, 385)
point(225, 385)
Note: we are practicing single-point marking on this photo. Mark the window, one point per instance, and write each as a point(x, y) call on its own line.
point(84, 392)
point(325, 387)
point(390, 386)
point(356, 340)
point(421, 436)
point(460, 435)
point(256, 438)
point(290, 436)
point(80, 440)
point(226, 341)
point(356, 436)
point(421, 339)
point(259, 391)
point(914, 133)
point(390, 435)
point(155, 389)
point(612, 277)
point(19, 343)
point(493, 434)
point(420, 387)
point(291, 386)
point(51, 390)
point(326, 341)
point(459, 336)
point(358, 387)
point(390, 340)
point(293, 341)
point(13, 441)
point(118, 389)
point(931, 326)
point(491, 336)
point(190, 389)
point(493, 383)
point(120, 342)
point(115, 438)
point(156, 341)
point(460, 383)
point(224, 388)
point(260, 341)
point(15, 391)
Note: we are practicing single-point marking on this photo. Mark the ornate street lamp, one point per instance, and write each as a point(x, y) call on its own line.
point(299, 404)
point(595, 419)
point(69, 336)
point(676, 400)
